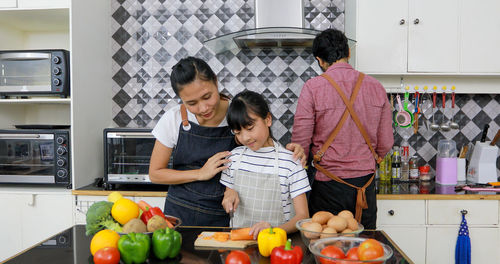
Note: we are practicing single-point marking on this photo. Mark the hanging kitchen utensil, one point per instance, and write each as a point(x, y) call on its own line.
point(402, 118)
point(416, 111)
point(434, 126)
point(453, 124)
point(444, 125)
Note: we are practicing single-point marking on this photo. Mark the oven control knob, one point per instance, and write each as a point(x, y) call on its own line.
point(56, 82)
point(60, 140)
point(60, 162)
point(56, 59)
point(62, 173)
point(56, 71)
point(61, 150)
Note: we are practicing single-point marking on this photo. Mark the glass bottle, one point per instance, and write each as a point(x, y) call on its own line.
point(396, 165)
point(414, 168)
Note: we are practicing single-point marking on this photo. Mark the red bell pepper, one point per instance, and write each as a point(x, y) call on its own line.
point(148, 211)
point(287, 254)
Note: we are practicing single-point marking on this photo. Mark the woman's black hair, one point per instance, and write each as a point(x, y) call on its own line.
point(244, 103)
point(189, 69)
point(330, 46)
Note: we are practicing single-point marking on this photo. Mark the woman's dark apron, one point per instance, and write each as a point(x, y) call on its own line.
point(198, 203)
point(319, 199)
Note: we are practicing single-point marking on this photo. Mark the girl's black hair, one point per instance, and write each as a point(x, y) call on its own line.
point(189, 69)
point(244, 103)
point(330, 45)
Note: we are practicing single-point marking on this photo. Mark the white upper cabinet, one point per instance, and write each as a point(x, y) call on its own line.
point(424, 36)
point(480, 36)
point(28, 4)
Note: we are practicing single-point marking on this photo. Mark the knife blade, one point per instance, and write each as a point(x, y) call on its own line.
point(231, 214)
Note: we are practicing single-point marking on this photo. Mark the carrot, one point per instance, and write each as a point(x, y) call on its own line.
point(143, 205)
point(241, 234)
point(220, 236)
point(168, 223)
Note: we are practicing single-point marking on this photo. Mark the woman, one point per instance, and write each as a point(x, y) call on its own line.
point(197, 135)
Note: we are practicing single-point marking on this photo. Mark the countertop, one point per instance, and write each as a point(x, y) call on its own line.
point(75, 249)
point(423, 190)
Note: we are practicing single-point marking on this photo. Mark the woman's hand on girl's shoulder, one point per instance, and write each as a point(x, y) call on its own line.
point(298, 152)
point(214, 165)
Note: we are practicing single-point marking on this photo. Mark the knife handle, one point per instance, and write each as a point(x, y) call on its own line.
point(495, 139)
point(485, 132)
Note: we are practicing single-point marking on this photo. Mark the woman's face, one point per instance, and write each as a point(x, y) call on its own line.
point(201, 98)
point(256, 135)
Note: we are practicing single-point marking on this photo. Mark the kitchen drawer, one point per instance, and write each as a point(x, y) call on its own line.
point(400, 212)
point(479, 212)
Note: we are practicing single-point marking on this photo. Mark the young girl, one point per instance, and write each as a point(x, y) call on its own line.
point(264, 185)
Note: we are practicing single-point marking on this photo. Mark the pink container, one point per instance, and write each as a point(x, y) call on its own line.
point(446, 171)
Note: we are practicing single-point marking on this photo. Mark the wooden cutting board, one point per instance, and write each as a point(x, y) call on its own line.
point(200, 242)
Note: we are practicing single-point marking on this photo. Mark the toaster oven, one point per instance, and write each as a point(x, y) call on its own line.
point(34, 72)
point(35, 157)
point(127, 152)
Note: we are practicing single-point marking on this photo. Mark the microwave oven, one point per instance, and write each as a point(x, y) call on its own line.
point(34, 72)
point(127, 152)
point(35, 156)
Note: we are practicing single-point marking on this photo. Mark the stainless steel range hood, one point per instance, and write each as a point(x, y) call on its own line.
point(279, 23)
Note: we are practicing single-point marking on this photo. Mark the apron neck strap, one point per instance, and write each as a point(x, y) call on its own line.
point(276, 158)
point(184, 115)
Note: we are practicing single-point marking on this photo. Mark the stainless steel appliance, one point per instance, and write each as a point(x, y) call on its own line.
point(127, 152)
point(35, 156)
point(34, 72)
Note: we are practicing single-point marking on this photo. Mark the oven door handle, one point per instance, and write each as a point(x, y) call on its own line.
point(20, 136)
point(14, 56)
point(130, 135)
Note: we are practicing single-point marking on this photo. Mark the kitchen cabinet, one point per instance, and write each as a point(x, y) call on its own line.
point(479, 38)
point(34, 4)
point(82, 27)
point(417, 37)
point(395, 36)
point(427, 230)
point(26, 212)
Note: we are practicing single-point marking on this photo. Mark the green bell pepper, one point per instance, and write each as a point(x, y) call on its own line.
point(134, 248)
point(166, 243)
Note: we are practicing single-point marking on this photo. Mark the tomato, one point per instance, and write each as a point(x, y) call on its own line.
point(352, 254)
point(332, 252)
point(238, 257)
point(370, 249)
point(107, 255)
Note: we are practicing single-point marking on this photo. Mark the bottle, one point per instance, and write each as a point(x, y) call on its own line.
point(396, 165)
point(385, 168)
point(414, 168)
point(405, 166)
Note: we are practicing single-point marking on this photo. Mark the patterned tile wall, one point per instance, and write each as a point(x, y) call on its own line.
point(150, 36)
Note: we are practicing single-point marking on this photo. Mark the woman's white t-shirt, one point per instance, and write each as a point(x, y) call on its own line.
point(167, 129)
point(293, 178)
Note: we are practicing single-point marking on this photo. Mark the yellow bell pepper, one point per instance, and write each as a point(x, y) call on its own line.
point(269, 239)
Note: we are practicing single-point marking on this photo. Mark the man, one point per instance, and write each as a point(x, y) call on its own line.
point(345, 142)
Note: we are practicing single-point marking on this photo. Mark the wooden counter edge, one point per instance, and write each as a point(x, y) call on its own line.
point(438, 197)
point(124, 193)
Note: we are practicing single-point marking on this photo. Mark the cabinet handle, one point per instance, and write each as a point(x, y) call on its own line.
point(391, 212)
point(402, 22)
point(416, 21)
point(32, 201)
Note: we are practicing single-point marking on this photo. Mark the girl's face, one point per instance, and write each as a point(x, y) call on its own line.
point(256, 135)
point(201, 98)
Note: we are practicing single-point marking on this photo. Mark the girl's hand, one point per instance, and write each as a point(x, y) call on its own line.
point(298, 152)
point(231, 200)
point(258, 227)
point(214, 165)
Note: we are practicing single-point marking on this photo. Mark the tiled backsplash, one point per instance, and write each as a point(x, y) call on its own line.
point(150, 36)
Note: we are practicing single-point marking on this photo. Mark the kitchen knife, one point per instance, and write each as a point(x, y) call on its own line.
point(485, 132)
point(495, 139)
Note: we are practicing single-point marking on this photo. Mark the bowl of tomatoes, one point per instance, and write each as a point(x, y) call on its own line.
point(349, 250)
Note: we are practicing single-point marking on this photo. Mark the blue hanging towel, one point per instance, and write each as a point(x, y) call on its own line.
point(462, 249)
